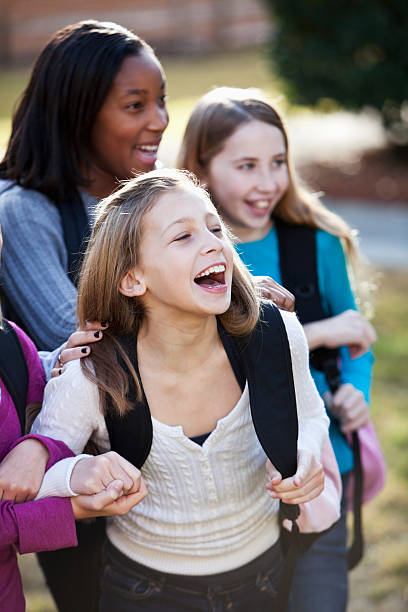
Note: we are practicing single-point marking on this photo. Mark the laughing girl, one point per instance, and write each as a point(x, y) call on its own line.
point(163, 386)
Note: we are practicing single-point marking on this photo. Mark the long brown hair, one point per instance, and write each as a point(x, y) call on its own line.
point(215, 117)
point(112, 251)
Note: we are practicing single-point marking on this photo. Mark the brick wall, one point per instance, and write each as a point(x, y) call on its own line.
point(171, 26)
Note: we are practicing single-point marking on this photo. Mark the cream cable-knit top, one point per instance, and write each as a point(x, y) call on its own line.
point(207, 509)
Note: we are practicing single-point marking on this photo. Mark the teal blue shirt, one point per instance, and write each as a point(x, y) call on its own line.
point(262, 259)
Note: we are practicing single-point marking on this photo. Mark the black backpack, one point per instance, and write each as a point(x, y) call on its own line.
point(13, 370)
point(298, 265)
point(250, 358)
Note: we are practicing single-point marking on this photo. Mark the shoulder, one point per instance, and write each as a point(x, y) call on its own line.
point(72, 382)
point(17, 200)
point(35, 370)
point(27, 344)
point(328, 244)
point(274, 319)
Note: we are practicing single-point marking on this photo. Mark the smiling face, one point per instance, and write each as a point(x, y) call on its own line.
point(128, 128)
point(248, 178)
point(185, 258)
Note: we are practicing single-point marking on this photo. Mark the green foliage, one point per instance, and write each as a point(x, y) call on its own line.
point(352, 52)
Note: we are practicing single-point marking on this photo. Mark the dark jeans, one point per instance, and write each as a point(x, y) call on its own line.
point(127, 586)
point(73, 574)
point(320, 580)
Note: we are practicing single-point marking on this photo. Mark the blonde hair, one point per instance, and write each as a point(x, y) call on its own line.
point(216, 116)
point(112, 251)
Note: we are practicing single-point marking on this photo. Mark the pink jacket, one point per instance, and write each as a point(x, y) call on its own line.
point(46, 524)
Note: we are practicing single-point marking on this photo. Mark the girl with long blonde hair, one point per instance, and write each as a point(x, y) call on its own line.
point(164, 388)
point(237, 144)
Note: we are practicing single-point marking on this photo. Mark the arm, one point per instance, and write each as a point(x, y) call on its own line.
point(35, 279)
point(335, 288)
point(349, 328)
point(47, 524)
point(313, 421)
point(70, 411)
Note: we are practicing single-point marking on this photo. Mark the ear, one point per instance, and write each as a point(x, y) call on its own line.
point(132, 284)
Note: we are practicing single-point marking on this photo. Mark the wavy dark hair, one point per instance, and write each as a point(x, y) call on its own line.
point(52, 124)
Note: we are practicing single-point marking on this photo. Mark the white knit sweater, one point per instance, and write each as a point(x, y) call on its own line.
point(207, 510)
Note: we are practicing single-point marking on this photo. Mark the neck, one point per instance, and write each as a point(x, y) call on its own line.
point(177, 344)
point(101, 184)
point(249, 234)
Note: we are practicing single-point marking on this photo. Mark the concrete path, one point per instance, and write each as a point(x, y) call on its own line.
point(383, 229)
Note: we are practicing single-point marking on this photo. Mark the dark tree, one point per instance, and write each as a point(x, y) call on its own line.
point(353, 52)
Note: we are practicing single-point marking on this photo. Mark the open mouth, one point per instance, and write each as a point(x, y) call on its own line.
point(211, 277)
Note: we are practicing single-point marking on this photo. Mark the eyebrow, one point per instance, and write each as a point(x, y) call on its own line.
point(246, 158)
point(132, 92)
point(185, 220)
point(177, 221)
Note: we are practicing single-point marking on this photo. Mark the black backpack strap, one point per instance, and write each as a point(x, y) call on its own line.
point(265, 358)
point(76, 230)
point(298, 265)
point(356, 549)
point(13, 370)
point(130, 435)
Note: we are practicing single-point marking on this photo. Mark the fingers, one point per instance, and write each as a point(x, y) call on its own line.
point(351, 408)
point(94, 474)
point(83, 337)
point(122, 469)
point(305, 484)
point(108, 502)
point(271, 290)
point(77, 345)
point(274, 475)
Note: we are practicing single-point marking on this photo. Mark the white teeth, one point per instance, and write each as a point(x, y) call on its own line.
point(148, 147)
point(212, 270)
point(261, 204)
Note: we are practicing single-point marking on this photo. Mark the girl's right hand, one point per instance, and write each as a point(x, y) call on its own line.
point(111, 501)
point(91, 475)
point(77, 347)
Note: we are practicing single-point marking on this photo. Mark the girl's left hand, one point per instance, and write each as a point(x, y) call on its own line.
point(272, 290)
point(348, 405)
point(22, 471)
point(305, 485)
point(77, 347)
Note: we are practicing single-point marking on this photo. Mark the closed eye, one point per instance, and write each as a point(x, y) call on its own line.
point(216, 230)
point(182, 237)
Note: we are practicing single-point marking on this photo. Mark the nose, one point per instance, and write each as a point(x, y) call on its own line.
point(267, 182)
point(211, 243)
point(158, 119)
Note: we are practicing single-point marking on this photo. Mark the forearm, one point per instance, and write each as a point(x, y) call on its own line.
point(35, 526)
point(57, 480)
point(316, 334)
point(57, 449)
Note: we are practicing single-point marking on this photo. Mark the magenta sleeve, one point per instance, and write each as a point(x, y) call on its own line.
point(45, 524)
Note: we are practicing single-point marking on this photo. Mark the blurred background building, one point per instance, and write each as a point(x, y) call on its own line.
point(170, 26)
